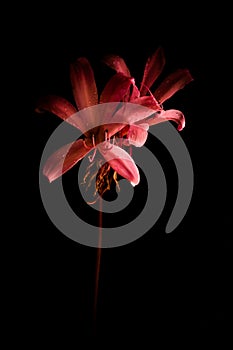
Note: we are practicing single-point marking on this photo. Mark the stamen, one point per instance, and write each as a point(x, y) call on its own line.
point(106, 135)
point(99, 163)
point(107, 144)
point(85, 145)
point(89, 166)
point(91, 179)
point(85, 177)
point(115, 179)
point(91, 203)
point(148, 90)
point(145, 86)
point(93, 140)
point(91, 158)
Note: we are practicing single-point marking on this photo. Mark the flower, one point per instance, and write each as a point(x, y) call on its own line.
point(125, 125)
point(86, 96)
point(153, 100)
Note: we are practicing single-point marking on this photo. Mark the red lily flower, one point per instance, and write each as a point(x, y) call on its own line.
point(85, 95)
point(143, 96)
point(98, 131)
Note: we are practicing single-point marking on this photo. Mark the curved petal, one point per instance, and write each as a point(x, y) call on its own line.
point(170, 114)
point(153, 68)
point(148, 101)
point(173, 83)
point(60, 107)
point(111, 130)
point(117, 63)
point(83, 83)
point(121, 162)
point(117, 89)
point(131, 113)
point(102, 122)
point(64, 159)
point(136, 135)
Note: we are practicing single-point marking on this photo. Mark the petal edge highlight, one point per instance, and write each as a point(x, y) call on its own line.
point(173, 83)
point(121, 162)
point(64, 159)
point(170, 114)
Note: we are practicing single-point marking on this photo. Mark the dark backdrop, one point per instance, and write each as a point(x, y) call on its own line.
point(160, 282)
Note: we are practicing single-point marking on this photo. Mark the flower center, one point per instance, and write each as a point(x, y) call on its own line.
point(104, 175)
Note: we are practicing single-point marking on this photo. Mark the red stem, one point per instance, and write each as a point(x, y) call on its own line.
point(98, 259)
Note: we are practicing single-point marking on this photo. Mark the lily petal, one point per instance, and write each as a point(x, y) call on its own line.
point(117, 89)
point(61, 108)
point(131, 113)
point(121, 162)
point(83, 83)
point(170, 114)
point(148, 101)
point(173, 83)
point(112, 129)
point(117, 63)
point(64, 159)
point(136, 135)
point(153, 68)
point(103, 121)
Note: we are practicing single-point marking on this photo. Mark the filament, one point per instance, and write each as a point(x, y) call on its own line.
point(91, 158)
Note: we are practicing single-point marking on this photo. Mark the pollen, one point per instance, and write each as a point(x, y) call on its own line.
point(115, 179)
point(101, 177)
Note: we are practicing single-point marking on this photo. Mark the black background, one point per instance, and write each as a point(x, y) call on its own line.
point(159, 283)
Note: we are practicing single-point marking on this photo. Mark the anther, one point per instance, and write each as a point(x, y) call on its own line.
point(93, 140)
point(106, 135)
point(85, 145)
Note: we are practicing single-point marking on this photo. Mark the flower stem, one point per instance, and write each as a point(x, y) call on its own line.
point(98, 259)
